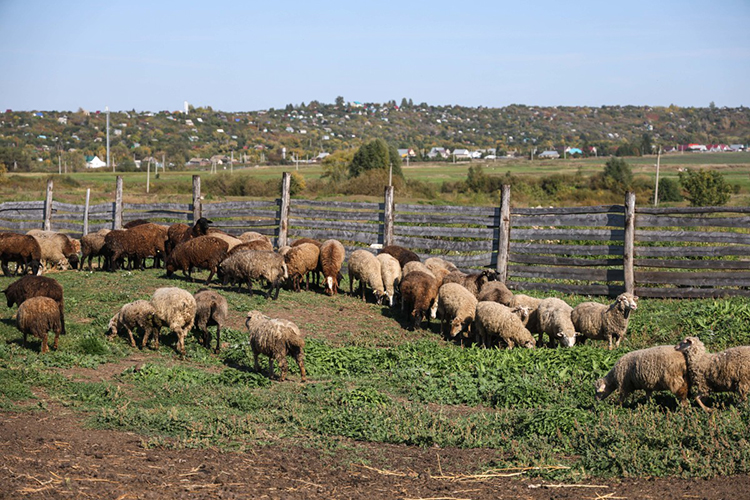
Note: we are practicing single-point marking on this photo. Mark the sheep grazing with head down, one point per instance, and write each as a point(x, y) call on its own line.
point(155, 240)
point(496, 321)
point(244, 267)
point(91, 246)
point(22, 249)
point(301, 260)
point(496, 291)
point(175, 308)
point(419, 297)
point(390, 273)
point(332, 255)
point(659, 368)
point(553, 316)
point(276, 338)
point(365, 267)
point(456, 307)
point(259, 244)
point(36, 286)
point(415, 265)
point(472, 282)
point(211, 309)
point(725, 371)
point(37, 316)
point(531, 304)
point(249, 236)
point(403, 255)
point(604, 322)
point(58, 249)
point(139, 314)
point(205, 252)
point(434, 263)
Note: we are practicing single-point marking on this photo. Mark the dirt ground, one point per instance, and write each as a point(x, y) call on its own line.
point(51, 455)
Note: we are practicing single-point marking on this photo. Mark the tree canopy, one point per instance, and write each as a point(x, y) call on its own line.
point(375, 154)
point(705, 187)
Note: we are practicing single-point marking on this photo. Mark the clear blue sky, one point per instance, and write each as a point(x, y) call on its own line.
point(234, 55)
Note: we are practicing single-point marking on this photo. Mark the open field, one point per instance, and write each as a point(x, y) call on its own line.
point(379, 398)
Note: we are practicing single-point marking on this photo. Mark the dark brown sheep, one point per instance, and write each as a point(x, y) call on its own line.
point(91, 246)
point(22, 249)
point(36, 286)
point(211, 309)
point(37, 316)
point(332, 255)
point(155, 238)
point(472, 282)
point(119, 244)
point(205, 252)
point(403, 255)
point(495, 291)
point(418, 296)
point(300, 261)
point(179, 233)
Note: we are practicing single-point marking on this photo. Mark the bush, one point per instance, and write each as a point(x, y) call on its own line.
point(669, 190)
point(705, 187)
point(616, 177)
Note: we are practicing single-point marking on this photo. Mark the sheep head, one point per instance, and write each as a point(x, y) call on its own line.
point(627, 302)
point(602, 390)
point(690, 344)
point(564, 340)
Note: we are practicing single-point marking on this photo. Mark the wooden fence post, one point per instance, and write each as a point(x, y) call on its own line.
point(503, 240)
point(48, 207)
point(86, 208)
point(118, 204)
point(197, 205)
point(286, 184)
point(388, 216)
point(629, 244)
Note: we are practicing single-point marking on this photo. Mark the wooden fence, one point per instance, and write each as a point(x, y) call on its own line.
point(597, 250)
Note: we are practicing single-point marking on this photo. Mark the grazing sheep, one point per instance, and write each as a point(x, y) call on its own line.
point(231, 240)
point(135, 223)
point(332, 254)
point(155, 240)
point(604, 322)
point(91, 246)
point(365, 267)
point(390, 272)
point(402, 255)
point(205, 252)
point(553, 316)
point(22, 249)
point(37, 316)
point(178, 233)
point(434, 263)
point(134, 315)
point(725, 371)
point(472, 282)
point(57, 248)
point(276, 338)
point(494, 320)
point(532, 304)
point(496, 291)
point(119, 244)
point(457, 306)
point(259, 244)
point(415, 265)
point(418, 296)
point(211, 309)
point(249, 236)
point(36, 286)
point(244, 267)
point(653, 369)
point(175, 308)
point(301, 260)
point(284, 249)
point(306, 240)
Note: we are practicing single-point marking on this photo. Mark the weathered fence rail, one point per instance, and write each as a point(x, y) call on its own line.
point(598, 250)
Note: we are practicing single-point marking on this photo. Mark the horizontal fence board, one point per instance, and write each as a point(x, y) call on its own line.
point(238, 205)
point(24, 215)
point(367, 238)
point(21, 205)
point(443, 209)
point(241, 213)
point(334, 224)
point(457, 232)
point(482, 259)
point(128, 216)
point(568, 234)
point(338, 204)
point(551, 260)
point(72, 217)
point(566, 273)
point(177, 207)
point(586, 250)
point(692, 251)
point(67, 226)
point(599, 209)
point(662, 221)
point(446, 219)
point(456, 246)
point(706, 278)
point(691, 293)
point(67, 207)
point(693, 264)
point(691, 210)
point(590, 220)
point(580, 289)
point(693, 236)
point(94, 227)
point(334, 214)
point(246, 223)
point(102, 207)
point(21, 226)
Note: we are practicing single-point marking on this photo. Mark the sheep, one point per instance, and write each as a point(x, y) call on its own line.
point(276, 338)
point(496, 291)
point(403, 255)
point(133, 315)
point(178, 233)
point(653, 369)
point(390, 273)
point(135, 223)
point(553, 316)
point(434, 263)
point(300, 261)
point(418, 296)
point(497, 320)
point(604, 322)
point(532, 304)
point(415, 265)
point(37, 316)
point(306, 240)
point(244, 267)
point(22, 249)
point(472, 282)
point(91, 246)
point(332, 256)
point(231, 240)
point(283, 250)
point(211, 309)
point(316, 274)
point(57, 248)
point(457, 306)
point(175, 308)
point(259, 244)
point(120, 243)
point(365, 267)
point(154, 240)
point(725, 371)
point(205, 252)
point(249, 236)
point(36, 286)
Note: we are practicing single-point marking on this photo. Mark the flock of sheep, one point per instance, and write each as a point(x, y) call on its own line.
point(472, 307)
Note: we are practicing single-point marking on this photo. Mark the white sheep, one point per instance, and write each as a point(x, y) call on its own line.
point(553, 315)
point(276, 338)
point(496, 320)
point(390, 272)
point(133, 315)
point(457, 306)
point(532, 304)
point(175, 308)
point(604, 322)
point(365, 267)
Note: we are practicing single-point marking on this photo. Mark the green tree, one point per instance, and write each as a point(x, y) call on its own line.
point(617, 175)
point(705, 187)
point(340, 102)
point(375, 154)
point(669, 190)
point(336, 164)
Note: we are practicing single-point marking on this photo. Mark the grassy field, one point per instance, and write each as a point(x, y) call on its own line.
point(371, 380)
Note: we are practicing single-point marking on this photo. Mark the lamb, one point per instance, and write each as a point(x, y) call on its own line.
point(276, 338)
point(725, 371)
point(604, 322)
point(390, 272)
point(653, 369)
point(37, 316)
point(244, 267)
point(418, 296)
point(472, 282)
point(457, 306)
point(211, 309)
point(57, 248)
point(403, 255)
point(494, 320)
point(332, 254)
point(205, 252)
point(553, 316)
point(365, 267)
point(434, 263)
point(175, 308)
point(22, 249)
point(134, 315)
point(301, 260)
point(178, 233)
point(91, 246)
point(496, 291)
point(36, 286)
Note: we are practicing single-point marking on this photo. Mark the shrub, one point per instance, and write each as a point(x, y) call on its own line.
point(669, 190)
point(705, 187)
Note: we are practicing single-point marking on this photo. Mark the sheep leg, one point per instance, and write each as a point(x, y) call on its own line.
point(57, 337)
point(218, 339)
point(351, 285)
point(283, 367)
point(180, 339)
point(130, 335)
point(698, 399)
point(307, 282)
point(6, 271)
point(43, 336)
point(210, 275)
point(270, 367)
point(362, 290)
point(146, 333)
point(249, 287)
point(299, 357)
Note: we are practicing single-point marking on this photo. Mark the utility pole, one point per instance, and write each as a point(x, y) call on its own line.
point(148, 175)
point(656, 187)
point(390, 175)
point(231, 164)
point(59, 164)
point(106, 109)
point(163, 162)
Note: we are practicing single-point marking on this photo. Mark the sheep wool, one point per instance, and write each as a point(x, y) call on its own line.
point(496, 291)
point(553, 315)
point(276, 338)
point(36, 286)
point(418, 296)
point(604, 322)
point(434, 263)
point(37, 316)
point(402, 255)
point(300, 261)
point(205, 252)
point(457, 307)
point(365, 267)
point(390, 273)
point(244, 267)
point(494, 320)
point(175, 308)
point(132, 316)
point(211, 309)
point(332, 255)
point(91, 246)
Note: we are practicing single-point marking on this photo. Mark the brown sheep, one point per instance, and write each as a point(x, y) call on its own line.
point(22, 249)
point(211, 309)
point(37, 316)
point(91, 246)
point(319, 270)
point(332, 255)
point(418, 296)
point(300, 261)
point(36, 286)
point(259, 244)
point(178, 233)
point(205, 252)
point(472, 282)
point(155, 237)
point(276, 338)
point(496, 291)
point(119, 244)
point(403, 255)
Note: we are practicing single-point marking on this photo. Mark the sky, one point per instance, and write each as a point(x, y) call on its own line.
point(251, 55)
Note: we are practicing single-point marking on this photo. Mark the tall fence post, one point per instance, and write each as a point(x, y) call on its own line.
point(48, 207)
point(388, 216)
point(629, 244)
point(197, 205)
point(118, 204)
point(503, 240)
point(286, 184)
point(86, 208)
